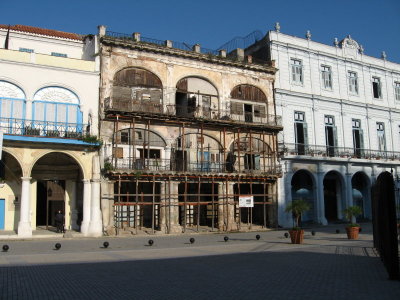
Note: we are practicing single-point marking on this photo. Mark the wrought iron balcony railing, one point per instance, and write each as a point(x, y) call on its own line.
point(192, 112)
point(24, 127)
point(329, 151)
point(156, 164)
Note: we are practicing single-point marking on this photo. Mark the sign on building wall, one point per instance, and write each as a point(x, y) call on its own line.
point(246, 201)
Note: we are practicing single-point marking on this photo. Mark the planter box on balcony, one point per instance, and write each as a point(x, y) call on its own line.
point(73, 135)
point(31, 131)
point(52, 133)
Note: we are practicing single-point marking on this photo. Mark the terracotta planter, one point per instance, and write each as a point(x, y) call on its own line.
point(296, 236)
point(352, 232)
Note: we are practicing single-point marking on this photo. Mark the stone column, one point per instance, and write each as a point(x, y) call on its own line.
point(172, 207)
point(24, 225)
point(87, 188)
point(320, 199)
point(72, 205)
point(349, 190)
point(95, 225)
point(226, 207)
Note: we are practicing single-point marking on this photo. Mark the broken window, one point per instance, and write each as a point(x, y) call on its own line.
point(376, 87)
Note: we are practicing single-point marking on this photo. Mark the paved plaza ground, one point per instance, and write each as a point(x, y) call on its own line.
point(326, 266)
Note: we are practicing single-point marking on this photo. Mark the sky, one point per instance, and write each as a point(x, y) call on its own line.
point(375, 24)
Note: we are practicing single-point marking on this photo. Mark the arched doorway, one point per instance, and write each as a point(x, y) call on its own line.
point(196, 97)
point(59, 187)
point(303, 188)
point(333, 196)
point(10, 192)
point(361, 193)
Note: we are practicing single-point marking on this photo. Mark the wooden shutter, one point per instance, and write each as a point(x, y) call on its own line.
point(118, 152)
point(236, 108)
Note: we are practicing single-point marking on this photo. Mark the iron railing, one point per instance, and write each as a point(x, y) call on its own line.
point(42, 128)
point(179, 45)
point(157, 164)
point(330, 151)
point(191, 112)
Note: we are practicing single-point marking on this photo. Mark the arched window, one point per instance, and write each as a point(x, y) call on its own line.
point(196, 97)
point(138, 90)
point(12, 101)
point(56, 104)
point(243, 106)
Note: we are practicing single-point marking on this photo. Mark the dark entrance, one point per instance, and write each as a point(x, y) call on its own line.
point(248, 113)
point(330, 200)
point(50, 199)
point(200, 207)
point(257, 215)
point(384, 224)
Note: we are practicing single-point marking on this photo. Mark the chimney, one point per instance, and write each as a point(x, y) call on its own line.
point(101, 30)
point(196, 48)
point(136, 36)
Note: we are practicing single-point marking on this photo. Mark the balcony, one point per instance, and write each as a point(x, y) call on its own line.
point(342, 152)
point(162, 165)
point(33, 128)
point(187, 112)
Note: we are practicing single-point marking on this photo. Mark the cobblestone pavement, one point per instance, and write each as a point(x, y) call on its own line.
point(326, 266)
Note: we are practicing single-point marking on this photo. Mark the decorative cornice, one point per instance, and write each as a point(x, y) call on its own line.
point(148, 47)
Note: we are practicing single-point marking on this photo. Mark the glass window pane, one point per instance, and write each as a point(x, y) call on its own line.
point(72, 113)
point(39, 111)
point(50, 112)
point(18, 109)
point(61, 113)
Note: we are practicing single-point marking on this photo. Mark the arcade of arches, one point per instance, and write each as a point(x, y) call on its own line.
point(329, 193)
point(36, 189)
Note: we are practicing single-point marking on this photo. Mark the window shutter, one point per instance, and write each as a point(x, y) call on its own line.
point(335, 138)
point(305, 130)
point(237, 108)
point(261, 111)
point(256, 161)
point(118, 138)
point(118, 152)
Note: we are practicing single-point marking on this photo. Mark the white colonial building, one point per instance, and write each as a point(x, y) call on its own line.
point(49, 84)
point(341, 116)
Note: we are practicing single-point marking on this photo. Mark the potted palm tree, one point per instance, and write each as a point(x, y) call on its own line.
point(352, 228)
point(297, 208)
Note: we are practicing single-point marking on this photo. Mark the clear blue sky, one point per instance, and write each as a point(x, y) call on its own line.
point(373, 23)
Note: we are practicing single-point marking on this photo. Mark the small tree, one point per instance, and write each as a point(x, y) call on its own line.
point(297, 208)
point(350, 212)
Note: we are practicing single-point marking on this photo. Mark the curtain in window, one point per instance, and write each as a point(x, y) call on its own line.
point(39, 111)
point(72, 113)
point(61, 113)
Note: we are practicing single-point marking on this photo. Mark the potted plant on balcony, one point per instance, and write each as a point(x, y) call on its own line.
point(352, 229)
point(297, 208)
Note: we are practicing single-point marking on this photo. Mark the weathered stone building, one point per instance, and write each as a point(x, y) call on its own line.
point(188, 133)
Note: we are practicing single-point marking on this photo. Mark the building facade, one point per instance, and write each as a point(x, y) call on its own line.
point(49, 120)
point(189, 134)
point(341, 116)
